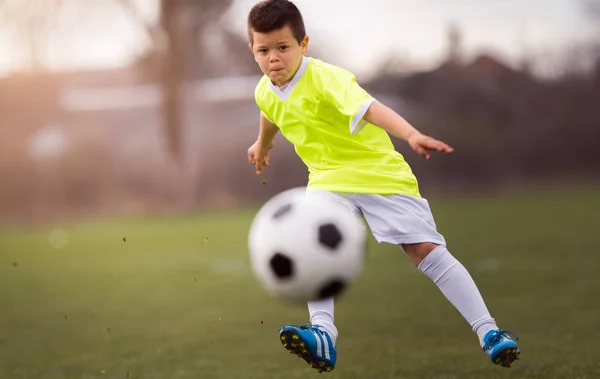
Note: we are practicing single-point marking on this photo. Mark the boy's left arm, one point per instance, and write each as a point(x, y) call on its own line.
point(385, 118)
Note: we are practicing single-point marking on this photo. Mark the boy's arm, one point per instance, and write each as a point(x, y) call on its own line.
point(385, 118)
point(267, 132)
point(258, 153)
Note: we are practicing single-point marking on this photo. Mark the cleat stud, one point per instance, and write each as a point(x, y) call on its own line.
point(295, 337)
point(302, 344)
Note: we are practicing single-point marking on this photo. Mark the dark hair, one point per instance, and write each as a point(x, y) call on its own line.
point(271, 15)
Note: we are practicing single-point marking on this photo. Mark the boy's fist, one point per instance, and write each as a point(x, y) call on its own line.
point(258, 155)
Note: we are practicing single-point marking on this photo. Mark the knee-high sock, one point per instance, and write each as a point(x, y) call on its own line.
point(458, 286)
point(321, 313)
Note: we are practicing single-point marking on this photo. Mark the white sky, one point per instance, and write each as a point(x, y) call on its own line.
point(352, 33)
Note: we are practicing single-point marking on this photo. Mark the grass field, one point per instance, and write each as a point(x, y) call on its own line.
point(177, 299)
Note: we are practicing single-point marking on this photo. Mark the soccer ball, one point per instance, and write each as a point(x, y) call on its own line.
point(306, 247)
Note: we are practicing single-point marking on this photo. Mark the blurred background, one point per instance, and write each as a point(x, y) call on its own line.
point(125, 190)
point(129, 106)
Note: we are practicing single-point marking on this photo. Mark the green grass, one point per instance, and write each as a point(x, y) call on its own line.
point(169, 304)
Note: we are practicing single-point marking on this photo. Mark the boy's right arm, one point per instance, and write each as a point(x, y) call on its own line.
point(267, 132)
point(258, 153)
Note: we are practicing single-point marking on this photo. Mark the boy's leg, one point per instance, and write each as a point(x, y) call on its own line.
point(455, 282)
point(407, 221)
point(315, 343)
point(321, 314)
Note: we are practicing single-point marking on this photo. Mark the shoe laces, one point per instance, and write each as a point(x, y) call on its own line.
point(311, 326)
point(497, 337)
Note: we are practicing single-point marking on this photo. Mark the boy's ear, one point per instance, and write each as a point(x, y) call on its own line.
point(304, 44)
point(250, 45)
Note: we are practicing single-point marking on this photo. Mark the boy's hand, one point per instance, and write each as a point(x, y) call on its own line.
point(423, 144)
point(258, 155)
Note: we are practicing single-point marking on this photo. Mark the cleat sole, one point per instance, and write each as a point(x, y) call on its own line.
point(506, 357)
point(300, 350)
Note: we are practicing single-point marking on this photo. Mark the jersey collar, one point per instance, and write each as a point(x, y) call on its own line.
point(284, 93)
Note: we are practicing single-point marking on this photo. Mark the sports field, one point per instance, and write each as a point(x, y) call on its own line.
point(174, 298)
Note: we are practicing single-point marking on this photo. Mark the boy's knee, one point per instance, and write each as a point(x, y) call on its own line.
point(416, 252)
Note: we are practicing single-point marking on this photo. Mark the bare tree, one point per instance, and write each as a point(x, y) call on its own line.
point(182, 22)
point(175, 40)
point(173, 62)
point(28, 25)
point(152, 30)
point(592, 8)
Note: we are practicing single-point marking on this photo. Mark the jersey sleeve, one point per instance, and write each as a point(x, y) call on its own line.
point(267, 117)
point(342, 92)
point(258, 99)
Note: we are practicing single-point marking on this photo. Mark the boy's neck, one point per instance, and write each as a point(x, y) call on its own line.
point(291, 77)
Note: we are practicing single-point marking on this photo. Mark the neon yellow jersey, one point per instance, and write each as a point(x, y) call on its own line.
point(321, 113)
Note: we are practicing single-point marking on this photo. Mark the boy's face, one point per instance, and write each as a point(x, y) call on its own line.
point(278, 54)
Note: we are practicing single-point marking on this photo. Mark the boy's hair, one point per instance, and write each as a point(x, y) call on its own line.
point(270, 15)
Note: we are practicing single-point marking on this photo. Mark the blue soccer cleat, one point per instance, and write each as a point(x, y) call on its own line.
point(501, 348)
point(310, 343)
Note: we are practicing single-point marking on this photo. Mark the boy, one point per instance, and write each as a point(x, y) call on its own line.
point(341, 134)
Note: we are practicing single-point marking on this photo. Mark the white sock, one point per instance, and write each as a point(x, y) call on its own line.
point(458, 286)
point(321, 313)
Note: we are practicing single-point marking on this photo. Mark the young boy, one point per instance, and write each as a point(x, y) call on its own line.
point(341, 134)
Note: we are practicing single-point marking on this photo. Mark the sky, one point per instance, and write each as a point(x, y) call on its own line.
point(352, 33)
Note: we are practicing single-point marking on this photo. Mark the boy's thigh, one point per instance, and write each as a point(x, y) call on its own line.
point(399, 219)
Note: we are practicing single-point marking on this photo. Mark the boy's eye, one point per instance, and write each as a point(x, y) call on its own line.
point(262, 51)
point(283, 48)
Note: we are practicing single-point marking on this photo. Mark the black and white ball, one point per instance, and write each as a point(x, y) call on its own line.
point(306, 247)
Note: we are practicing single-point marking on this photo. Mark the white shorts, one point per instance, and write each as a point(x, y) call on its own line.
point(395, 219)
